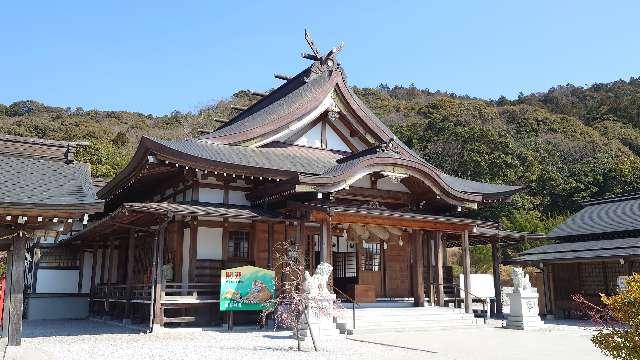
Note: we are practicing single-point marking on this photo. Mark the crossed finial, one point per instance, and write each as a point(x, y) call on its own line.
point(316, 53)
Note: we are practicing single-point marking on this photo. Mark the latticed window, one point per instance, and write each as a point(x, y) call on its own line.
point(238, 244)
point(371, 257)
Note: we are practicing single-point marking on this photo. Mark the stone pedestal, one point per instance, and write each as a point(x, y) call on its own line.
point(524, 310)
point(320, 321)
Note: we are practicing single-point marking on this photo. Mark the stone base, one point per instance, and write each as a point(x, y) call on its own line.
point(319, 322)
point(524, 323)
point(524, 311)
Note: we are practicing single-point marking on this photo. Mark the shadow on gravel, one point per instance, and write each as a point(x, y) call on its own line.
point(47, 328)
point(394, 346)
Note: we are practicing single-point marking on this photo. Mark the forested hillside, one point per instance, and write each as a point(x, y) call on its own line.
point(566, 145)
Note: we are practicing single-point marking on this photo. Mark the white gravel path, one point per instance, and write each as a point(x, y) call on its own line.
point(71, 340)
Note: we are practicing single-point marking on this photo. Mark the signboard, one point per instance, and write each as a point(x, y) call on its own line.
point(246, 288)
point(481, 285)
point(622, 282)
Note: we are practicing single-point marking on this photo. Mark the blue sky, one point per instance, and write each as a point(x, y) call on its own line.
point(157, 56)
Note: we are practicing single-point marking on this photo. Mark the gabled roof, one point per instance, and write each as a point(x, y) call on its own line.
point(601, 217)
point(33, 179)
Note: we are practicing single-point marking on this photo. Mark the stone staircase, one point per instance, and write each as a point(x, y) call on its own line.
point(378, 318)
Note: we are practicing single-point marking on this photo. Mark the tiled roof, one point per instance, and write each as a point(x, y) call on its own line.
point(288, 158)
point(203, 209)
point(27, 181)
point(582, 250)
point(37, 148)
point(614, 216)
point(285, 100)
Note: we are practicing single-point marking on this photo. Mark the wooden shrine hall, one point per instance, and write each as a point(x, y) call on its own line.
point(308, 164)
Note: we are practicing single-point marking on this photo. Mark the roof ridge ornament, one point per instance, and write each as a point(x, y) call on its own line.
point(390, 146)
point(321, 63)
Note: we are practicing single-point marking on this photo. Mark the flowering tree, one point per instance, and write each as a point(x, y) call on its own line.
point(619, 321)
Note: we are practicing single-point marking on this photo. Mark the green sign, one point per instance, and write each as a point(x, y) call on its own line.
point(246, 288)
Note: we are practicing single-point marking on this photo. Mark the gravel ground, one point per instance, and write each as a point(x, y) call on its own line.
point(70, 340)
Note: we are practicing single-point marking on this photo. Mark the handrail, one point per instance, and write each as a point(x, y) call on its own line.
point(353, 304)
point(483, 299)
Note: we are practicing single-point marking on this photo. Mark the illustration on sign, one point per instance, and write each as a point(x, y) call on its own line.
point(246, 288)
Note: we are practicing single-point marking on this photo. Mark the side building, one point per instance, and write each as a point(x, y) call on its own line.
point(597, 247)
point(45, 195)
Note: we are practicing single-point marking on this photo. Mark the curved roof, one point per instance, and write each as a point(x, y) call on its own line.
point(380, 159)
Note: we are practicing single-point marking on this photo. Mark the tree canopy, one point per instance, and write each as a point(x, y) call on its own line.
point(566, 145)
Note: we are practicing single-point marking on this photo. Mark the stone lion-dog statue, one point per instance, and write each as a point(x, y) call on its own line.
point(316, 285)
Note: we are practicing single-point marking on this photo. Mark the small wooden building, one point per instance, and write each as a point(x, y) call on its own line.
point(44, 193)
point(308, 164)
point(596, 246)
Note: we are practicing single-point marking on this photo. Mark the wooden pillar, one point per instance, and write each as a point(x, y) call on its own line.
point(418, 269)
point(17, 292)
point(270, 246)
point(103, 263)
point(466, 269)
point(325, 240)
point(129, 278)
point(439, 268)
point(109, 279)
point(495, 255)
point(7, 294)
point(158, 316)
point(92, 289)
point(429, 268)
point(80, 270)
point(193, 248)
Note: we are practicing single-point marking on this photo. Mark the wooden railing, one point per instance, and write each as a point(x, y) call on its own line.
point(190, 292)
point(119, 292)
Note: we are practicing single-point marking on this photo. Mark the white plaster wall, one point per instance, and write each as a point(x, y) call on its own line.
point(238, 198)
point(363, 182)
point(334, 142)
point(386, 184)
point(312, 138)
point(57, 281)
point(215, 196)
point(209, 243)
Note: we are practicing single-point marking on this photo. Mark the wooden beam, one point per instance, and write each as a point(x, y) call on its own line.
point(466, 269)
point(418, 268)
point(282, 77)
point(428, 259)
point(385, 220)
point(439, 245)
point(495, 255)
point(17, 291)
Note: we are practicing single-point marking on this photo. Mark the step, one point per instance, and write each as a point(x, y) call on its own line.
point(182, 319)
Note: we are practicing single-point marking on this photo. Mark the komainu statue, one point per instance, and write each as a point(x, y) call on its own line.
point(316, 285)
point(521, 281)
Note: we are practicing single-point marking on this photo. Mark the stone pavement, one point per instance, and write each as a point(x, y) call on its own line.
point(69, 340)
